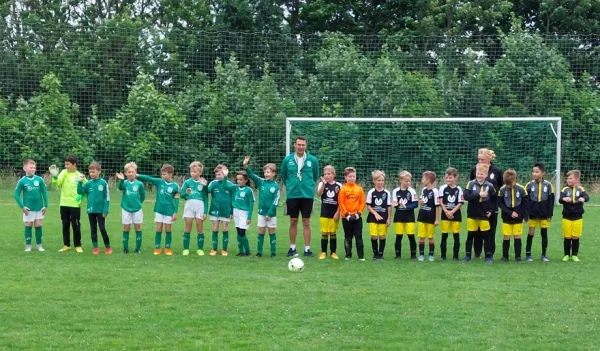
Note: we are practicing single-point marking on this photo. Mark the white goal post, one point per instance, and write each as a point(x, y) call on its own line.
point(556, 132)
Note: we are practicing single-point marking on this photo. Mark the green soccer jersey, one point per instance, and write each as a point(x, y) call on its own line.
point(35, 194)
point(167, 195)
point(98, 196)
point(133, 196)
point(299, 176)
point(67, 182)
point(220, 204)
point(243, 198)
point(198, 192)
point(268, 194)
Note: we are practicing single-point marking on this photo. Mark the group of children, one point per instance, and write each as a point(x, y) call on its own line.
point(533, 202)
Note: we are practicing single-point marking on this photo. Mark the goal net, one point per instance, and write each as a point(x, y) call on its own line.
point(434, 144)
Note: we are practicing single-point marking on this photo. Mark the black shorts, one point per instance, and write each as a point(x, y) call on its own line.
point(297, 206)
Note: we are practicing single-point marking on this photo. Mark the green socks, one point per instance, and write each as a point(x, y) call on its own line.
point(273, 241)
point(138, 240)
point(215, 240)
point(239, 243)
point(126, 240)
point(95, 244)
point(246, 243)
point(157, 240)
point(186, 241)
point(200, 239)
point(225, 240)
point(168, 239)
point(261, 242)
point(28, 231)
point(38, 235)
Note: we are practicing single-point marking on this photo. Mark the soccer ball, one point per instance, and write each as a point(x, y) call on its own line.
point(296, 265)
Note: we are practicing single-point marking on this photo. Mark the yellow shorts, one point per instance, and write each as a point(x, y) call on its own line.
point(450, 227)
point(328, 225)
point(542, 223)
point(572, 228)
point(376, 229)
point(426, 230)
point(404, 228)
point(474, 224)
point(512, 229)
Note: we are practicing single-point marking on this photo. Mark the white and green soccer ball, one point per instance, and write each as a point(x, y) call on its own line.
point(296, 265)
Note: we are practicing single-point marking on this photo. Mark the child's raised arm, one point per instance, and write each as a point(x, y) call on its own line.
point(146, 178)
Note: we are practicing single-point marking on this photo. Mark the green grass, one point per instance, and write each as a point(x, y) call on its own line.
point(81, 301)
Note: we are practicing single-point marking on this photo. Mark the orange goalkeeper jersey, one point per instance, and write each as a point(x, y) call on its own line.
point(351, 199)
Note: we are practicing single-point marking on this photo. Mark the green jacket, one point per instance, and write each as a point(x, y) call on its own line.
point(294, 187)
point(268, 194)
point(98, 195)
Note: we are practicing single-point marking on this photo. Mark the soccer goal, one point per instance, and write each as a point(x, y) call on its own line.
point(420, 144)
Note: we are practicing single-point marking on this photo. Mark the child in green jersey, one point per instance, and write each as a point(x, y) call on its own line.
point(133, 196)
point(220, 209)
point(166, 206)
point(243, 204)
point(195, 193)
point(98, 203)
point(268, 199)
point(34, 203)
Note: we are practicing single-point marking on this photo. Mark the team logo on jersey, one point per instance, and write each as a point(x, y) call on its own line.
point(135, 188)
point(100, 187)
point(272, 190)
point(403, 201)
point(451, 198)
point(330, 194)
point(424, 198)
point(242, 195)
point(492, 176)
point(169, 190)
point(577, 193)
point(308, 163)
point(36, 183)
point(517, 195)
point(384, 196)
point(545, 189)
point(533, 188)
point(200, 187)
point(378, 202)
point(337, 189)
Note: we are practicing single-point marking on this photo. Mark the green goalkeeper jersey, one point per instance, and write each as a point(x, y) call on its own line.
point(133, 196)
point(268, 194)
point(198, 192)
point(98, 196)
point(220, 204)
point(167, 195)
point(35, 194)
point(299, 175)
point(243, 198)
point(67, 182)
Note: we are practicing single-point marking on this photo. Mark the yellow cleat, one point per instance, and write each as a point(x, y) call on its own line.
point(156, 251)
point(575, 259)
point(200, 252)
point(65, 249)
point(334, 256)
point(322, 255)
point(566, 258)
point(168, 252)
point(185, 252)
point(78, 249)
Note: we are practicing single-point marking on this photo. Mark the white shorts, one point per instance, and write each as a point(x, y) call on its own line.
point(222, 219)
point(193, 209)
point(271, 223)
point(132, 217)
point(240, 217)
point(33, 216)
point(159, 218)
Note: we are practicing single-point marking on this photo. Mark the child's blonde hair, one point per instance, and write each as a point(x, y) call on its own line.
point(404, 174)
point(219, 168)
point(271, 167)
point(95, 165)
point(378, 174)
point(510, 177)
point(329, 168)
point(482, 167)
point(28, 161)
point(130, 165)
point(575, 173)
point(487, 152)
point(197, 164)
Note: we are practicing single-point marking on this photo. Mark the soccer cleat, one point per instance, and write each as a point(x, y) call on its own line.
point(125, 251)
point(478, 257)
point(528, 259)
point(545, 259)
point(27, 248)
point(200, 252)
point(398, 257)
point(348, 258)
point(455, 259)
point(517, 259)
point(421, 258)
point(137, 251)
point(308, 253)
point(334, 256)
point(108, 251)
point(185, 253)
point(241, 254)
point(96, 251)
point(79, 249)
point(504, 259)
point(413, 257)
point(466, 259)
point(292, 253)
point(431, 258)
point(575, 259)
point(224, 253)
point(40, 248)
point(444, 258)
point(362, 259)
point(258, 254)
point(156, 252)
point(65, 249)
point(566, 258)
point(489, 260)
point(213, 252)
point(322, 256)
point(273, 255)
point(168, 252)
point(247, 254)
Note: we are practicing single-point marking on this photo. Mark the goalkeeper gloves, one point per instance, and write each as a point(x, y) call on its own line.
point(53, 170)
point(348, 216)
point(79, 197)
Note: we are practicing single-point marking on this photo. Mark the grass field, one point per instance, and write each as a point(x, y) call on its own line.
point(143, 302)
